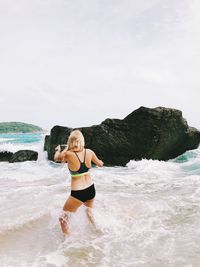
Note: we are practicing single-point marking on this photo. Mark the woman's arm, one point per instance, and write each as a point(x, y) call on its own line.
point(97, 161)
point(59, 155)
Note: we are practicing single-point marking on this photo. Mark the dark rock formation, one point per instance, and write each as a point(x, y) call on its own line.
point(24, 155)
point(158, 133)
point(5, 156)
point(46, 141)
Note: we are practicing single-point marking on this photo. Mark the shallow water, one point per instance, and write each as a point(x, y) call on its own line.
point(147, 213)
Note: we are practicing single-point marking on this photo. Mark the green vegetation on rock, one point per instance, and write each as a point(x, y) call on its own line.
point(18, 127)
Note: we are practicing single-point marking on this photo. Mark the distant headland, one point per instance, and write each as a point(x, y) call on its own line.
point(18, 127)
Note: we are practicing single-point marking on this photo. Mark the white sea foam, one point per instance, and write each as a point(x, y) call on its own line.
point(147, 213)
point(3, 140)
point(14, 147)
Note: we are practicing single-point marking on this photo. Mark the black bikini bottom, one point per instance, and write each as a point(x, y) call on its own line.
point(84, 194)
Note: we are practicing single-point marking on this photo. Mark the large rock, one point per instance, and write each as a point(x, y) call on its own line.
point(24, 155)
point(158, 133)
point(5, 156)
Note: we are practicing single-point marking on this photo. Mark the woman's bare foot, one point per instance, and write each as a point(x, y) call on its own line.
point(64, 217)
point(90, 216)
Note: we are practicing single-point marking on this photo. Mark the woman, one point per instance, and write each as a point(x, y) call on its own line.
point(79, 161)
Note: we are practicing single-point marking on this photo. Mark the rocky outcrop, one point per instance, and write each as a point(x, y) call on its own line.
point(159, 133)
point(5, 156)
point(24, 155)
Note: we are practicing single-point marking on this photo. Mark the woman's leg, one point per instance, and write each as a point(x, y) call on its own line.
point(71, 205)
point(89, 210)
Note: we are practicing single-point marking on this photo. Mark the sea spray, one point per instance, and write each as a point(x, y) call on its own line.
point(147, 213)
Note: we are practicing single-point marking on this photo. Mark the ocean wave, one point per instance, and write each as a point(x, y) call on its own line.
point(14, 142)
point(21, 222)
point(147, 213)
point(4, 140)
point(16, 147)
point(154, 169)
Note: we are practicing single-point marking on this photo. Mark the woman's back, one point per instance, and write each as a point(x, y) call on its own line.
point(79, 163)
point(75, 158)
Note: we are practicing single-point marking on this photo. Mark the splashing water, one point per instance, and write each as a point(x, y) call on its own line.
point(147, 213)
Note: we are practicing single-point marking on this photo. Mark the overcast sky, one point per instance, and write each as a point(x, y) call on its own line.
point(77, 62)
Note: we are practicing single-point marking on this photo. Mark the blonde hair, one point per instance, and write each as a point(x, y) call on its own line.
point(75, 140)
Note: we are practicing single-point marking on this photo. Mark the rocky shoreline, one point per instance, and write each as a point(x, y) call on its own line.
point(19, 156)
point(151, 133)
point(146, 133)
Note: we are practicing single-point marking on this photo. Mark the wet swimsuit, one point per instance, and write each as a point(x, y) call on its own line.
point(82, 170)
point(84, 194)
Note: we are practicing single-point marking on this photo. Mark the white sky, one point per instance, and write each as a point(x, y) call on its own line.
point(77, 62)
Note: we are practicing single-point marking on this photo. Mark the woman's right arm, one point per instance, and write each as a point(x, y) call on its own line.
point(97, 161)
point(60, 156)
